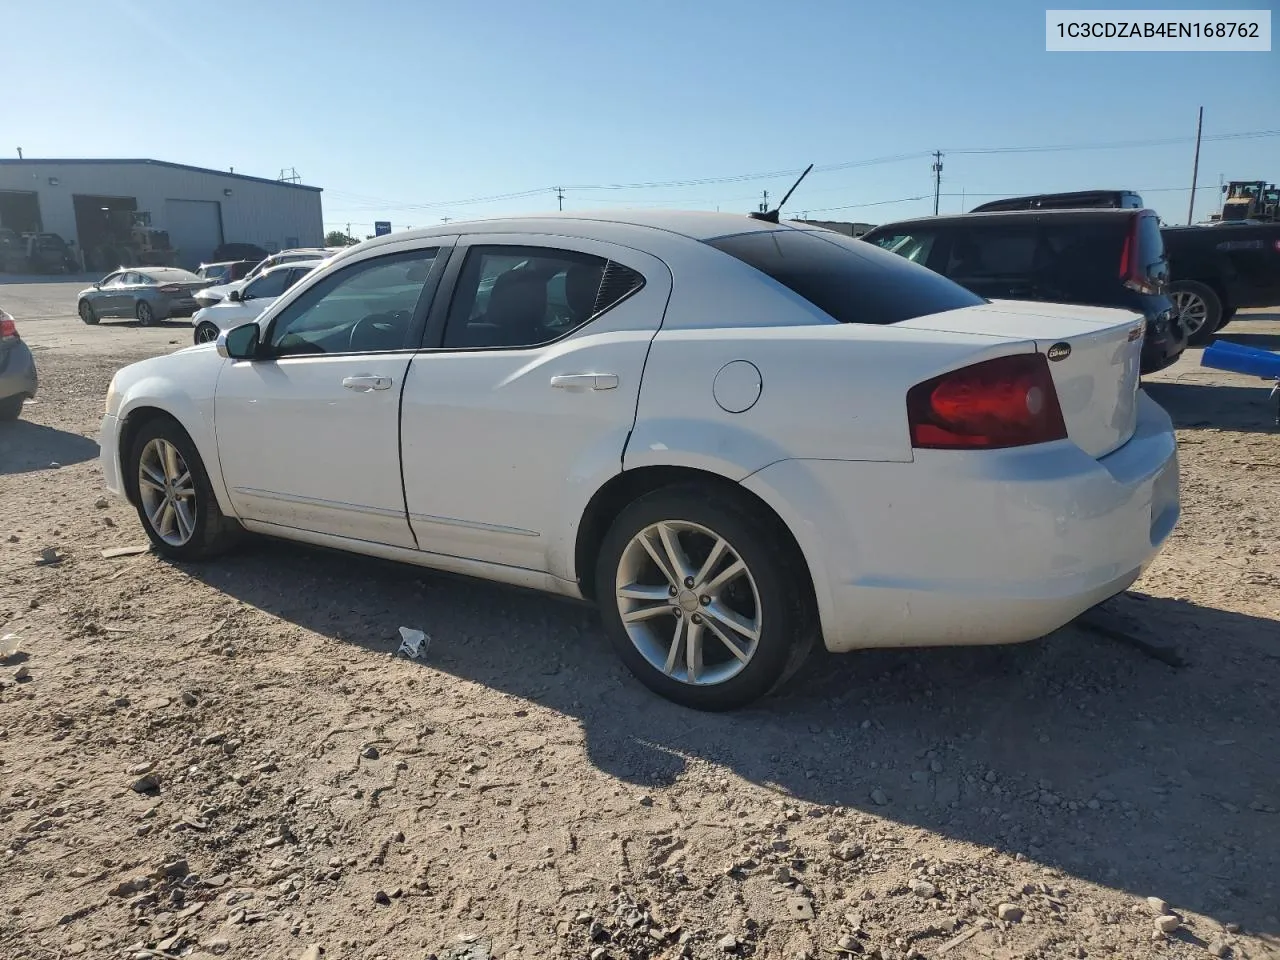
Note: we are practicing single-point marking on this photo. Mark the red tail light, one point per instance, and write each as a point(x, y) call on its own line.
point(8, 329)
point(1006, 402)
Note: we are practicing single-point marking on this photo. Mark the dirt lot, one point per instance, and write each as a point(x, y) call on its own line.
point(228, 759)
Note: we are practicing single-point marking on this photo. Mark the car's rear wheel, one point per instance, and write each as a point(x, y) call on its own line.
point(206, 332)
point(701, 599)
point(87, 313)
point(1198, 309)
point(10, 408)
point(175, 502)
point(146, 316)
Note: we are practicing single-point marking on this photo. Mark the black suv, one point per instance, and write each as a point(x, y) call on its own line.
point(1102, 258)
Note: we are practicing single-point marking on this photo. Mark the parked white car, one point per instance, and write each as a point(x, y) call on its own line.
point(247, 303)
point(733, 435)
point(216, 294)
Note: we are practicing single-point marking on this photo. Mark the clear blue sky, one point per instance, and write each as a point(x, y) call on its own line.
point(401, 108)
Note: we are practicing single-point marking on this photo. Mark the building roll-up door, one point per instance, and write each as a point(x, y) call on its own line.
point(195, 229)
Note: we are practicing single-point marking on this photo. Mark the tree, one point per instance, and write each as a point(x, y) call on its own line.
point(336, 238)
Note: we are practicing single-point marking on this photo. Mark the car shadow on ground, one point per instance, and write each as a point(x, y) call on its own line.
point(1112, 765)
point(25, 447)
point(1197, 404)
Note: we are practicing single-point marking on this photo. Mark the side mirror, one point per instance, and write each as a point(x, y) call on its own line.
point(240, 343)
point(234, 296)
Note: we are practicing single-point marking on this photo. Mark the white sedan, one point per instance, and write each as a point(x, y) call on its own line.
point(735, 436)
point(249, 301)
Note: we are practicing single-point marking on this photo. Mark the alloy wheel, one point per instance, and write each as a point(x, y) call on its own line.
point(168, 492)
point(206, 333)
point(688, 602)
point(1191, 310)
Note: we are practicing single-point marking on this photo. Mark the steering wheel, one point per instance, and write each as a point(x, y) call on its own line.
point(379, 326)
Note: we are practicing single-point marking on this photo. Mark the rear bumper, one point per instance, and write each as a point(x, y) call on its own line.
point(976, 547)
point(183, 307)
point(18, 372)
point(1163, 344)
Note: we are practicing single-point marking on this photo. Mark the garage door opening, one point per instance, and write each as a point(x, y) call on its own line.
point(102, 225)
point(20, 211)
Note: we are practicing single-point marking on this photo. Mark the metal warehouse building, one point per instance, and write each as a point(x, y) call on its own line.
point(86, 200)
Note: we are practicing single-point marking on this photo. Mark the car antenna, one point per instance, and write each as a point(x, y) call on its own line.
point(771, 216)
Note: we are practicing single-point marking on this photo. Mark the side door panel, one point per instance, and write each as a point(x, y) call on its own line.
point(311, 440)
point(502, 448)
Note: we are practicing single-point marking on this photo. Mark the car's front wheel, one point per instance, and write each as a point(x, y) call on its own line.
point(206, 332)
point(701, 597)
point(175, 502)
point(1198, 308)
point(87, 313)
point(146, 316)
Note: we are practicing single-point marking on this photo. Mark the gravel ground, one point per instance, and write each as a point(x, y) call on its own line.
point(227, 759)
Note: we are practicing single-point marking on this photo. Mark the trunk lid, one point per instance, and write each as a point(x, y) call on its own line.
point(1094, 355)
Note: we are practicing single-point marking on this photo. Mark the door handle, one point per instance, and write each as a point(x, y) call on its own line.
point(365, 384)
point(585, 381)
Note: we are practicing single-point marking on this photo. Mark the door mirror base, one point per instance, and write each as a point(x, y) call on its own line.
point(240, 343)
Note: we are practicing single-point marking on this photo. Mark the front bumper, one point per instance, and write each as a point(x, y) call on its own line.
point(18, 372)
point(976, 547)
point(109, 456)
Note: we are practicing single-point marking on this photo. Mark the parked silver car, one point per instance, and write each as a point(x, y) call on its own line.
point(17, 370)
point(150, 294)
point(217, 294)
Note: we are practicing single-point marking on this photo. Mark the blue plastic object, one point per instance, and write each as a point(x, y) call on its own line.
point(1224, 355)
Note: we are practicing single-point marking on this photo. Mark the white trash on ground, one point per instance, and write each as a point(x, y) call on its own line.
point(10, 644)
point(413, 643)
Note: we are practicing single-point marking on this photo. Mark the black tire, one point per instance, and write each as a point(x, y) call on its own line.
point(10, 408)
point(783, 602)
point(1198, 303)
point(212, 533)
point(146, 316)
point(205, 332)
point(87, 313)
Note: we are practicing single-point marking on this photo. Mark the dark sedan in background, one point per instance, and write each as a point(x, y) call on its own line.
point(17, 370)
point(149, 294)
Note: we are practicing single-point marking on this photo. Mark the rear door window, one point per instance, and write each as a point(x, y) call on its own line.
point(996, 261)
point(851, 280)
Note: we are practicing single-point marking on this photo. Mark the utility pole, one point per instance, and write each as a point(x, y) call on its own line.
point(937, 179)
point(19, 153)
point(962, 199)
point(445, 219)
point(1222, 197)
point(764, 203)
point(1195, 169)
point(560, 198)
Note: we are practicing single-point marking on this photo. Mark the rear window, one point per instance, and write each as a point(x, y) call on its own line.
point(851, 280)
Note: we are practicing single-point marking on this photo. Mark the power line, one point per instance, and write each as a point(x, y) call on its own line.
point(380, 202)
